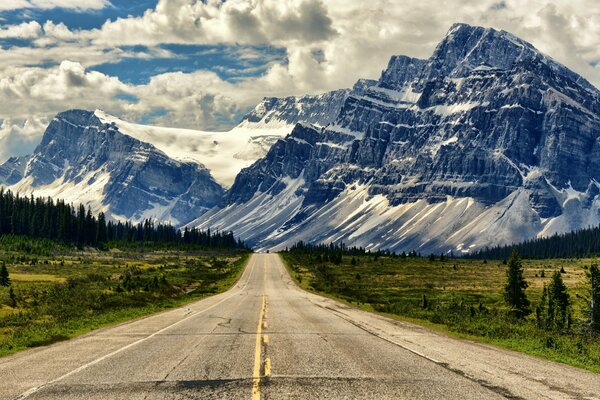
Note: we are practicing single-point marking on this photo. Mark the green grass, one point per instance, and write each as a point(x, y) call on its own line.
point(62, 293)
point(464, 299)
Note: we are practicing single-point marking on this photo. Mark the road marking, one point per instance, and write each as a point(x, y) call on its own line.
point(267, 367)
point(266, 340)
point(36, 389)
point(265, 325)
point(257, 354)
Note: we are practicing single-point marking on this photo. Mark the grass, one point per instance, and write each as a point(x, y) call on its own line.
point(463, 298)
point(62, 292)
point(36, 278)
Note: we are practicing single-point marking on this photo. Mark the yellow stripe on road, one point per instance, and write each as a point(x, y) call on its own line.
point(257, 352)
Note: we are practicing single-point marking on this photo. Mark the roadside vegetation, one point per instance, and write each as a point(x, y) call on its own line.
point(51, 292)
point(548, 308)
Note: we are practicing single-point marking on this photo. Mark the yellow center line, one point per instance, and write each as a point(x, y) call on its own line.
point(257, 353)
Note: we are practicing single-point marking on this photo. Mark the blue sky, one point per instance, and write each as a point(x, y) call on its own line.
point(77, 19)
point(202, 64)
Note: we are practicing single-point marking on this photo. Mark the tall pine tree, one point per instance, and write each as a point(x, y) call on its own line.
point(559, 314)
point(514, 290)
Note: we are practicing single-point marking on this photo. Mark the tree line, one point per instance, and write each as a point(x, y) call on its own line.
point(45, 218)
point(580, 243)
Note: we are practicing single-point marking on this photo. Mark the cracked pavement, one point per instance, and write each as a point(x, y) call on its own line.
point(305, 346)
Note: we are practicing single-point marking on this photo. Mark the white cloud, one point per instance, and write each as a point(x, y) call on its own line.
point(19, 139)
point(26, 30)
point(79, 5)
point(215, 21)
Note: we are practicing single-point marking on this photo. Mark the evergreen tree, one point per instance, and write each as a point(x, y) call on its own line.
point(4, 277)
point(558, 314)
point(594, 276)
point(514, 291)
point(101, 234)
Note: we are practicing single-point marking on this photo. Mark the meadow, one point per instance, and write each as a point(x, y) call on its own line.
point(461, 297)
point(62, 292)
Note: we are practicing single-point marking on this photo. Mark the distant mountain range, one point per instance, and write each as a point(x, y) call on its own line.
point(134, 172)
point(487, 142)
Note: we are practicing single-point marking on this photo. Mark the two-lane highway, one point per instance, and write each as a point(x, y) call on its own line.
point(266, 338)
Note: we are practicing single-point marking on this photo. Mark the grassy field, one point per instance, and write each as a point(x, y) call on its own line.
point(458, 296)
point(61, 292)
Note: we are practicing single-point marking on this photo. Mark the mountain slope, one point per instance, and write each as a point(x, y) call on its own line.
point(486, 142)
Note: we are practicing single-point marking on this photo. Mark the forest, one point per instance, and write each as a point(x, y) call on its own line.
point(576, 244)
point(45, 218)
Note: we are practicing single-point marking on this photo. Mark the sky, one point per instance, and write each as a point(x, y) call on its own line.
point(203, 64)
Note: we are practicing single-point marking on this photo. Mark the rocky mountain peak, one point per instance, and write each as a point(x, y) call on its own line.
point(488, 141)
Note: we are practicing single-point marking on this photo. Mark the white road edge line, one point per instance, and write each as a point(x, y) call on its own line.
point(36, 389)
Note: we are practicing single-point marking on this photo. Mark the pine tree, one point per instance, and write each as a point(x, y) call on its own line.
point(594, 276)
point(559, 315)
point(4, 276)
point(514, 291)
point(101, 234)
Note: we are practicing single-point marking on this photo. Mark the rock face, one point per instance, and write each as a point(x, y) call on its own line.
point(319, 110)
point(82, 159)
point(486, 142)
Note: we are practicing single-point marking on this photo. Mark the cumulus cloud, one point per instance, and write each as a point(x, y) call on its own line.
point(26, 30)
point(80, 5)
point(19, 139)
point(216, 21)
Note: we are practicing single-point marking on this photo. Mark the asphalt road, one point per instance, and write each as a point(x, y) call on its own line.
point(266, 338)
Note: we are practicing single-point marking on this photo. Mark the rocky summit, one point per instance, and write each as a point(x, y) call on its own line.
point(486, 142)
point(83, 160)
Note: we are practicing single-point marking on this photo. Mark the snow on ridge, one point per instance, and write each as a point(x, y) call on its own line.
point(223, 153)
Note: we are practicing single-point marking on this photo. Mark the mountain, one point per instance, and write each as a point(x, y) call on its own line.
point(133, 171)
point(487, 142)
point(84, 159)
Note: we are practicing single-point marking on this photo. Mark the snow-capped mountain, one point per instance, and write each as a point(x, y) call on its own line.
point(133, 171)
point(486, 142)
point(85, 159)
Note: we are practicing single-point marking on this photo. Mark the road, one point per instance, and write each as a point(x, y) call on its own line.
point(266, 338)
